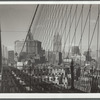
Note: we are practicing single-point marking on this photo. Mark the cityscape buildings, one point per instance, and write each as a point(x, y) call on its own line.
point(57, 43)
point(18, 47)
point(75, 50)
point(4, 54)
point(11, 57)
point(39, 66)
point(57, 55)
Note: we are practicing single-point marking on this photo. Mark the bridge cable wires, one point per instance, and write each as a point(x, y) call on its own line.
point(70, 27)
point(44, 23)
point(98, 35)
point(52, 16)
point(63, 21)
point(97, 23)
point(58, 26)
point(93, 31)
point(66, 25)
point(84, 25)
point(76, 28)
point(47, 26)
point(53, 30)
point(81, 34)
point(30, 27)
point(39, 26)
point(83, 28)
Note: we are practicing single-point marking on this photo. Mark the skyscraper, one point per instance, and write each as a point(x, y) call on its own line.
point(57, 57)
point(33, 47)
point(75, 50)
point(11, 57)
point(57, 43)
point(18, 47)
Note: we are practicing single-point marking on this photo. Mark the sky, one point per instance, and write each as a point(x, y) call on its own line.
point(53, 20)
point(15, 21)
point(50, 20)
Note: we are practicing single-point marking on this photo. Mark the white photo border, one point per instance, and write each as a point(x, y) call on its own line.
point(47, 95)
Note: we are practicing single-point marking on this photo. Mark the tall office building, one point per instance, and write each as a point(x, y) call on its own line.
point(57, 43)
point(18, 47)
point(30, 44)
point(33, 47)
point(4, 54)
point(75, 50)
point(11, 57)
point(57, 57)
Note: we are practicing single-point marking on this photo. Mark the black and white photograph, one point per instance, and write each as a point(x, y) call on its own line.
point(50, 48)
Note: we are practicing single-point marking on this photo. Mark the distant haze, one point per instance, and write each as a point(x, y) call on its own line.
point(15, 21)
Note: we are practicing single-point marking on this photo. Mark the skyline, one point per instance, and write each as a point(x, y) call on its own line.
point(17, 26)
point(15, 21)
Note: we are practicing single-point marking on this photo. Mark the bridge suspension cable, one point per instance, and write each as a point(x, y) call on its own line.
point(98, 35)
point(51, 32)
point(84, 26)
point(59, 24)
point(76, 28)
point(48, 25)
point(70, 27)
point(93, 31)
point(81, 34)
point(30, 27)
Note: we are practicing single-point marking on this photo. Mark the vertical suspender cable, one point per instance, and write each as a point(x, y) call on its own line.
point(54, 24)
point(75, 28)
point(1, 68)
point(27, 36)
point(70, 26)
point(46, 24)
point(93, 31)
point(84, 26)
point(81, 42)
point(89, 35)
point(0, 52)
point(66, 23)
point(30, 27)
point(54, 29)
point(81, 34)
point(39, 30)
point(98, 36)
point(70, 30)
point(60, 22)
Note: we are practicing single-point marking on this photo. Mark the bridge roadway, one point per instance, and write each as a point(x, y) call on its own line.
point(16, 81)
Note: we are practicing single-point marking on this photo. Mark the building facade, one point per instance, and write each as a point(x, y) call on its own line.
point(4, 55)
point(18, 47)
point(11, 57)
point(57, 43)
point(75, 50)
point(57, 56)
